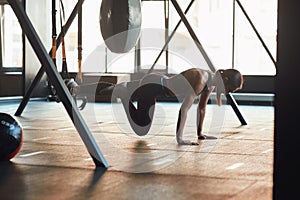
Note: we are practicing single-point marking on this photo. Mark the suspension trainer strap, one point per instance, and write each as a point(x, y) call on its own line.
point(79, 44)
point(64, 70)
point(54, 34)
point(71, 84)
point(52, 92)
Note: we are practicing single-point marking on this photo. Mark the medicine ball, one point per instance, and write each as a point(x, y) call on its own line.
point(120, 24)
point(11, 137)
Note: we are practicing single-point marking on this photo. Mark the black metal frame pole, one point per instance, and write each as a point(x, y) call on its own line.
point(167, 16)
point(58, 83)
point(169, 38)
point(256, 32)
point(137, 56)
point(207, 59)
point(41, 72)
point(235, 108)
point(193, 35)
point(1, 58)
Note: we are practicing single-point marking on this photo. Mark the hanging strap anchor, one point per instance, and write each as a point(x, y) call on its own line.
point(71, 84)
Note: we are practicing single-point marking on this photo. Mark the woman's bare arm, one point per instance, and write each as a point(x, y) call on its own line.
point(201, 111)
point(185, 106)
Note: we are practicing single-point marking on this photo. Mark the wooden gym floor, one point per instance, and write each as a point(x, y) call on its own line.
point(54, 164)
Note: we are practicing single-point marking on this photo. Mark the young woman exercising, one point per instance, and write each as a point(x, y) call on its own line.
point(187, 85)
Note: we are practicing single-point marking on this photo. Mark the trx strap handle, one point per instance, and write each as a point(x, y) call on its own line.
point(71, 84)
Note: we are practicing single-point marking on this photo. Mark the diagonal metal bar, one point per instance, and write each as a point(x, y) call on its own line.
point(41, 72)
point(193, 35)
point(170, 37)
point(256, 32)
point(235, 108)
point(58, 83)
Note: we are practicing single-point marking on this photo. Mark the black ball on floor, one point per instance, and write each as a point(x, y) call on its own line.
point(11, 137)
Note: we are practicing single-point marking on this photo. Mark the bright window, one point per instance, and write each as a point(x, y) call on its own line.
point(220, 25)
point(11, 39)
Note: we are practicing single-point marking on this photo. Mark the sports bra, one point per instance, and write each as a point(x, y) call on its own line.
point(168, 93)
point(208, 80)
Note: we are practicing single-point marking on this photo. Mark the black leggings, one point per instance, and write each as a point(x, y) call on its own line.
point(140, 117)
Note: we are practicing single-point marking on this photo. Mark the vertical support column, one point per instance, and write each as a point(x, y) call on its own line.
point(287, 107)
point(167, 19)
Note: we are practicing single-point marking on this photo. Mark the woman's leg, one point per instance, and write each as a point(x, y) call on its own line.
point(140, 117)
point(144, 92)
